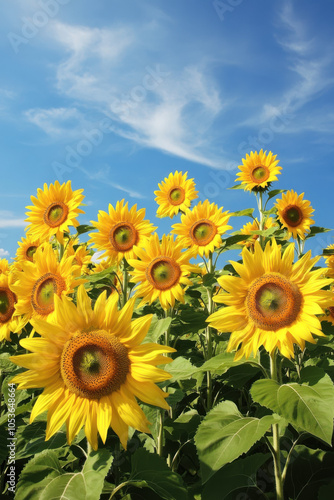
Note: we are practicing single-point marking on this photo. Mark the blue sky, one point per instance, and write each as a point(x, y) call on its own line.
point(116, 94)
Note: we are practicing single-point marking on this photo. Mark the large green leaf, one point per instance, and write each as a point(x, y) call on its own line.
point(225, 434)
point(240, 474)
point(37, 474)
point(157, 328)
point(181, 368)
point(156, 474)
point(308, 406)
point(44, 479)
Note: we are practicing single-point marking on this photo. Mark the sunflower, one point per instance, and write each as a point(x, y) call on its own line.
point(4, 266)
point(202, 228)
point(26, 251)
point(330, 263)
point(39, 282)
point(8, 322)
point(120, 230)
point(82, 256)
point(294, 213)
point(92, 367)
point(175, 195)
point(258, 170)
point(162, 270)
point(116, 278)
point(53, 211)
point(273, 303)
point(248, 228)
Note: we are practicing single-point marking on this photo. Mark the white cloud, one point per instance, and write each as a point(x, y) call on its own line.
point(56, 121)
point(8, 219)
point(110, 71)
point(3, 253)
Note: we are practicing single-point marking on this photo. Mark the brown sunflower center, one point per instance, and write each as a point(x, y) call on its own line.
point(331, 312)
point(292, 215)
point(202, 232)
point(163, 273)
point(176, 196)
point(56, 214)
point(30, 252)
point(94, 364)
point(7, 304)
point(123, 236)
point(260, 174)
point(43, 292)
point(273, 302)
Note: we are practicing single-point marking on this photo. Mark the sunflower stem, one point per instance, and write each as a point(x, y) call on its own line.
point(208, 333)
point(261, 209)
point(61, 251)
point(276, 436)
point(125, 283)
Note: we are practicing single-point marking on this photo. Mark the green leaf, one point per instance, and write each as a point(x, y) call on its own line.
point(37, 474)
point(237, 186)
point(225, 434)
point(326, 492)
point(317, 230)
point(157, 475)
point(234, 240)
point(232, 477)
point(240, 213)
point(181, 369)
point(222, 362)
point(87, 484)
point(275, 192)
point(308, 406)
point(84, 228)
point(157, 328)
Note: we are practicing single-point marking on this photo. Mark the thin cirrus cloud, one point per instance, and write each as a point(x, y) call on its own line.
point(8, 220)
point(310, 61)
point(106, 70)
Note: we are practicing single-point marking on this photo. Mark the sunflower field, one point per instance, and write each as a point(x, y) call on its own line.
point(198, 365)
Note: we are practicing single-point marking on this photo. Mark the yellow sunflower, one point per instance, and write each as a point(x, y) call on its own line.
point(53, 211)
point(4, 266)
point(116, 278)
point(294, 213)
point(39, 282)
point(8, 322)
point(81, 255)
point(202, 227)
point(175, 195)
point(26, 251)
point(330, 263)
point(273, 303)
point(248, 228)
point(92, 367)
point(162, 270)
point(120, 230)
point(258, 170)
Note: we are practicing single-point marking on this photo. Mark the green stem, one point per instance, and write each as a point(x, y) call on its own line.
point(260, 206)
point(208, 335)
point(276, 437)
point(125, 283)
point(61, 251)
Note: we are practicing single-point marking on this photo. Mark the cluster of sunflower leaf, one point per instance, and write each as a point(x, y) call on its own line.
point(151, 368)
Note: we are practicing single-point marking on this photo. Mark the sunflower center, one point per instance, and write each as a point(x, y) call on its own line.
point(202, 232)
point(30, 252)
point(331, 311)
point(94, 364)
point(176, 196)
point(56, 214)
point(7, 304)
point(163, 273)
point(260, 174)
point(123, 236)
point(292, 215)
point(43, 292)
point(273, 302)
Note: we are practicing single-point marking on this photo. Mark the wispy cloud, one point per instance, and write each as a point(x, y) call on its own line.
point(3, 253)
point(56, 121)
point(8, 219)
point(108, 71)
point(103, 175)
